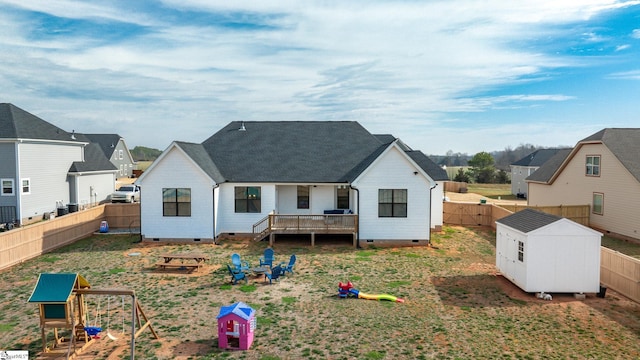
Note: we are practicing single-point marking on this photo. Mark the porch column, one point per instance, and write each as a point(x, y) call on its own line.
point(355, 240)
point(271, 238)
point(313, 239)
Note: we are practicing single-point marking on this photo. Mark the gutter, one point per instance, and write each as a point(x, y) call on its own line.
point(430, 211)
point(357, 212)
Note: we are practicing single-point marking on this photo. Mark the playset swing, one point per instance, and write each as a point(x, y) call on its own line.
point(61, 301)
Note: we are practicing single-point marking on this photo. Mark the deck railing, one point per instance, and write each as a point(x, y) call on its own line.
point(328, 223)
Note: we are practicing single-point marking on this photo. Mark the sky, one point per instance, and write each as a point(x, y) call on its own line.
point(452, 75)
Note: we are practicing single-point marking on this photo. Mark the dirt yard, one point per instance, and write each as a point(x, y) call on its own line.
point(456, 305)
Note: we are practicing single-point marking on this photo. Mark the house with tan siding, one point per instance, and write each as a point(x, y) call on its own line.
point(603, 171)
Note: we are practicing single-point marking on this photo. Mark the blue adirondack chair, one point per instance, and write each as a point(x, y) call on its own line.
point(288, 267)
point(239, 264)
point(237, 275)
point(275, 274)
point(267, 258)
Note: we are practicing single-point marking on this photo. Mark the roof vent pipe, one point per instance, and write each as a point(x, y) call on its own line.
point(242, 128)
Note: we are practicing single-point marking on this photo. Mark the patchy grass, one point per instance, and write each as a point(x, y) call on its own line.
point(455, 304)
point(492, 191)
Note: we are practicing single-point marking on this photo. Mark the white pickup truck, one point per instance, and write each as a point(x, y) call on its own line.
point(127, 194)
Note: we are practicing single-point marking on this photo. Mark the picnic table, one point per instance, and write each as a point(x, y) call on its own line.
point(184, 261)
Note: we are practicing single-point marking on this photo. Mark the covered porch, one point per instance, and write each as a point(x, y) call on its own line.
point(274, 224)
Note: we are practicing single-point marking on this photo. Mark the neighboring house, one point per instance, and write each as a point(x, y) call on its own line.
point(526, 166)
point(45, 167)
point(602, 170)
point(279, 177)
point(545, 253)
point(115, 149)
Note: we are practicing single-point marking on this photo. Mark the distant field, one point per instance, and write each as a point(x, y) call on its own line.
point(492, 190)
point(144, 165)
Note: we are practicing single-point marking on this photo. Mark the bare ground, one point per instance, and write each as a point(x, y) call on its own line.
point(456, 305)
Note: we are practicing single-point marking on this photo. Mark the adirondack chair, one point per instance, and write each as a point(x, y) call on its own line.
point(275, 274)
point(237, 275)
point(288, 267)
point(239, 264)
point(267, 258)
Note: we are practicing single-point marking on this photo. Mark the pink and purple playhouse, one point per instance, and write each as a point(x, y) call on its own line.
point(236, 325)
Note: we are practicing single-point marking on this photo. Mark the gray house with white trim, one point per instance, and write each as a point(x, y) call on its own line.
point(44, 168)
point(115, 149)
point(526, 166)
point(268, 178)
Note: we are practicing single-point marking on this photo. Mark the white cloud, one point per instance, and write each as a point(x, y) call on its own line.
point(374, 62)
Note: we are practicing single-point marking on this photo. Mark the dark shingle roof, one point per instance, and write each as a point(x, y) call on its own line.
point(528, 220)
point(94, 160)
point(198, 154)
point(107, 142)
point(435, 172)
point(296, 151)
point(545, 172)
point(290, 151)
point(16, 123)
point(624, 143)
point(537, 158)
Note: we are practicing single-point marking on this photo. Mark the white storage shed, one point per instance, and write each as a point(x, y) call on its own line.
point(545, 253)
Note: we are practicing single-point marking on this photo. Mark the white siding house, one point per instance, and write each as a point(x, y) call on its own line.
point(47, 167)
point(540, 252)
point(301, 177)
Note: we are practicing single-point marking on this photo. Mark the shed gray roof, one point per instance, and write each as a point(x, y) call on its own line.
point(537, 158)
point(16, 123)
point(528, 220)
point(290, 151)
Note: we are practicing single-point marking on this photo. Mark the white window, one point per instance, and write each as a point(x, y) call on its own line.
point(120, 154)
point(26, 186)
point(598, 202)
point(121, 169)
point(7, 187)
point(520, 251)
point(593, 165)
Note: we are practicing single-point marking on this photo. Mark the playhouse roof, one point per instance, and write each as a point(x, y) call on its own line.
point(240, 309)
point(57, 288)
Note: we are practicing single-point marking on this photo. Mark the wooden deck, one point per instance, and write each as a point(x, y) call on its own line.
point(306, 224)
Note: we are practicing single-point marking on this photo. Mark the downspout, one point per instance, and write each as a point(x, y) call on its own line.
point(213, 211)
point(18, 186)
point(430, 213)
point(139, 212)
point(358, 213)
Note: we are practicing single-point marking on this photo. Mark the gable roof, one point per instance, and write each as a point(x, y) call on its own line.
point(107, 142)
point(624, 144)
point(56, 287)
point(240, 309)
point(537, 158)
point(545, 172)
point(435, 172)
point(94, 160)
point(293, 151)
point(528, 220)
point(16, 123)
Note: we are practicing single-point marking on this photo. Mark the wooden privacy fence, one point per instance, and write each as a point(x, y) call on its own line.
point(620, 273)
point(455, 186)
point(470, 214)
point(36, 239)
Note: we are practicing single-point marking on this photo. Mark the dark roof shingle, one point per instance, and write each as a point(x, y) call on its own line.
point(528, 220)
